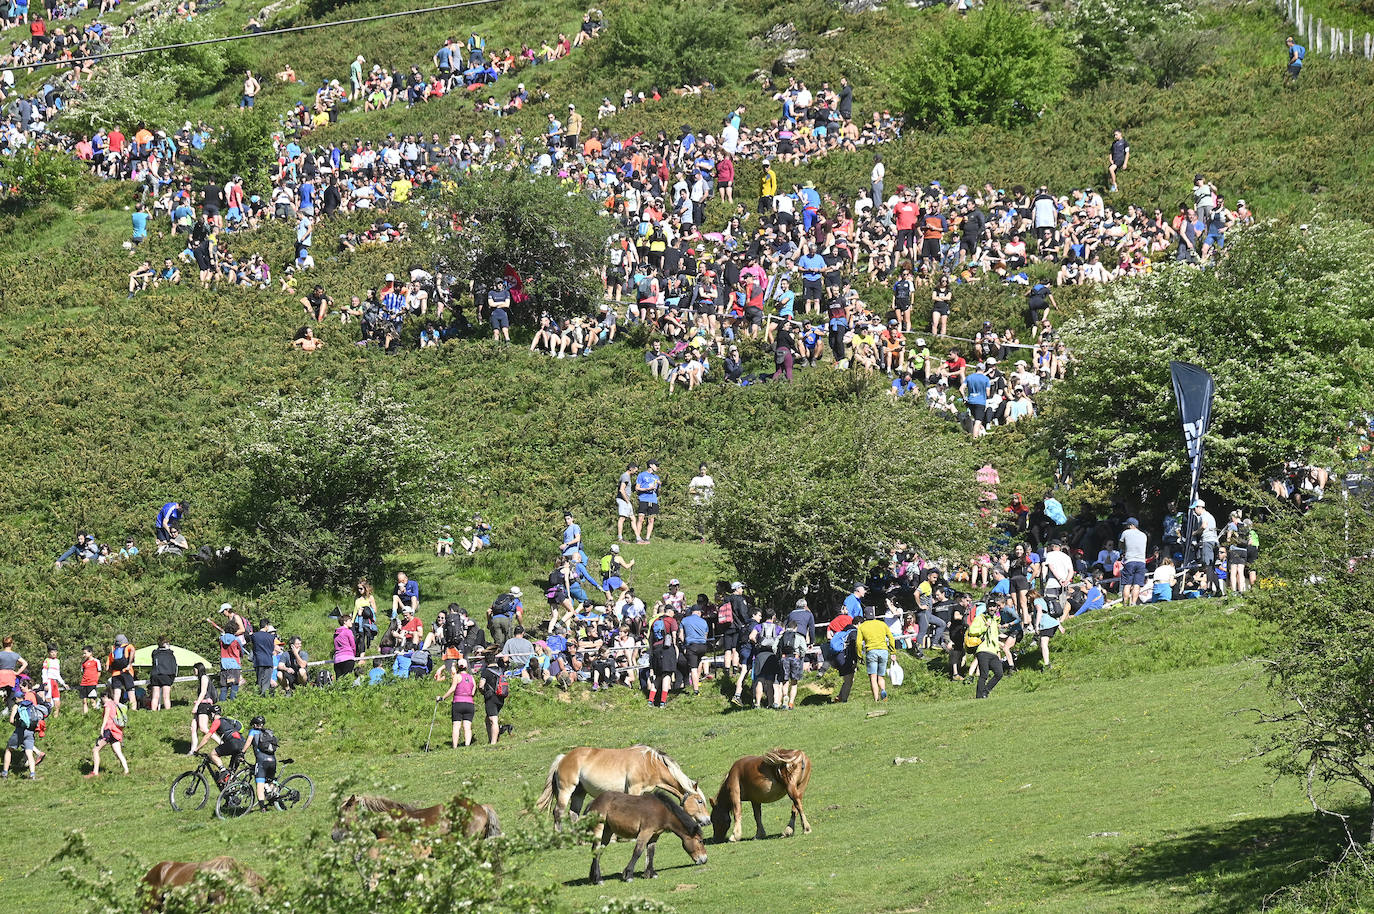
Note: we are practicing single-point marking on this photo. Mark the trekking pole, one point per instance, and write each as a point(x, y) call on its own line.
point(432, 714)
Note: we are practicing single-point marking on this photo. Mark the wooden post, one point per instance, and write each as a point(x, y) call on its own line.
point(1368, 46)
point(1317, 36)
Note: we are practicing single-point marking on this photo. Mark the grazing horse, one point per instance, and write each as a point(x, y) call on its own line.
point(167, 874)
point(587, 771)
point(762, 779)
point(479, 820)
point(642, 817)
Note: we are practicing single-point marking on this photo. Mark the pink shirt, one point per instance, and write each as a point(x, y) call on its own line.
point(345, 647)
point(465, 689)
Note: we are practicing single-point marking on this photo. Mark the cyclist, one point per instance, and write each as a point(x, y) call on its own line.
point(228, 733)
point(264, 743)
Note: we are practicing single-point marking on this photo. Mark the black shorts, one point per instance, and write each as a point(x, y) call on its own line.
point(979, 412)
point(87, 691)
point(233, 747)
point(203, 709)
point(694, 652)
point(1019, 584)
point(901, 305)
point(1048, 633)
point(344, 667)
point(265, 767)
point(930, 247)
point(1251, 554)
point(463, 710)
point(157, 680)
point(494, 706)
point(940, 307)
point(648, 508)
point(811, 288)
point(729, 639)
point(124, 681)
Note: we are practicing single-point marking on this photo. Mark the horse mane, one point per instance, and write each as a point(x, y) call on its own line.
point(782, 757)
point(692, 826)
point(386, 804)
point(675, 771)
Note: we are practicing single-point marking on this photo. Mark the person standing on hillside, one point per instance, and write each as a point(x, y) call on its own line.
point(1133, 546)
point(251, 88)
point(112, 724)
point(494, 692)
point(264, 648)
point(1296, 55)
point(1118, 158)
point(647, 486)
point(983, 635)
point(625, 502)
point(169, 519)
point(876, 646)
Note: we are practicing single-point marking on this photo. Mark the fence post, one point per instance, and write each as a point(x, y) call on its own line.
point(1317, 35)
point(1368, 46)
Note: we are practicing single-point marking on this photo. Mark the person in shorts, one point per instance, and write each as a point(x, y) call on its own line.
point(876, 646)
point(493, 692)
point(498, 301)
point(792, 646)
point(264, 756)
point(463, 690)
point(625, 502)
point(647, 485)
point(22, 739)
point(89, 685)
point(111, 735)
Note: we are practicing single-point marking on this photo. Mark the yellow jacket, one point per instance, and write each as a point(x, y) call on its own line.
point(768, 183)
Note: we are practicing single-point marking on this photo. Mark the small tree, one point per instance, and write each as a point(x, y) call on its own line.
point(997, 66)
point(553, 236)
point(1321, 658)
point(671, 44)
point(334, 481)
point(242, 146)
point(813, 512)
point(32, 176)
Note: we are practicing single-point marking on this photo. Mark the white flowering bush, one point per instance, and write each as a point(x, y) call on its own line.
point(1132, 38)
point(334, 480)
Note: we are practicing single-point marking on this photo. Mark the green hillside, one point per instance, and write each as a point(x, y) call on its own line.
point(1123, 780)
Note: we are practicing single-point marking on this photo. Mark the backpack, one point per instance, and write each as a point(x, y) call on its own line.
point(31, 714)
point(453, 631)
point(1054, 607)
point(787, 644)
point(323, 678)
point(839, 642)
point(504, 605)
point(267, 742)
point(230, 728)
point(502, 687)
point(768, 637)
point(122, 715)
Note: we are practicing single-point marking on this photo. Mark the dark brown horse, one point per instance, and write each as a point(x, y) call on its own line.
point(762, 779)
point(169, 874)
point(478, 820)
point(643, 817)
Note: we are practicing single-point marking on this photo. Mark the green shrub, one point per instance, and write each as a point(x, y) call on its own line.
point(242, 146)
point(1154, 38)
point(996, 66)
point(33, 176)
point(670, 44)
point(334, 480)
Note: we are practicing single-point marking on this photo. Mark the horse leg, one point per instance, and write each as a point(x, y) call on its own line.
point(561, 803)
point(599, 841)
point(629, 873)
point(736, 812)
point(797, 810)
point(758, 821)
point(649, 860)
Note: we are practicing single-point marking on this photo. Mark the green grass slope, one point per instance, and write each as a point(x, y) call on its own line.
point(1118, 782)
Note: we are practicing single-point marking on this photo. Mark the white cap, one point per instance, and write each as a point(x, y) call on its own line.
point(391, 277)
point(615, 549)
point(226, 607)
point(737, 586)
point(674, 583)
point(516, 592)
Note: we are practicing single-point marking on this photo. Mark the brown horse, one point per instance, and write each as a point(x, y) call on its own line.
point(762, 779)
point(478, 820)
point(168, 874)
point(587, 771)
point(644, 818)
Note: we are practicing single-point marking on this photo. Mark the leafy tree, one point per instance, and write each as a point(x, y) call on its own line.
point(553, 236)
point(1283, 324)
point(122, 95)
point(998, 65)
point(1321, 655)
point(334, 481)
point(675, 43)
point(32, 176)
point(812, 513)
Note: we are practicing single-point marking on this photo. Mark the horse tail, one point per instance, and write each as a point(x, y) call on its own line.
point(792, 764)
point(546, 798)
point(493, 823)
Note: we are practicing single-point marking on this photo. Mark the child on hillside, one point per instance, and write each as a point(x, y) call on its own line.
point(52, 680)
point(90, 679)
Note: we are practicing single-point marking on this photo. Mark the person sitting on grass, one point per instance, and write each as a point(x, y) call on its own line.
point(481, 536)
point(141, 278)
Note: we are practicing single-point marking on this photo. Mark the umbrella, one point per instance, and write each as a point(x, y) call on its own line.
point(144, 656)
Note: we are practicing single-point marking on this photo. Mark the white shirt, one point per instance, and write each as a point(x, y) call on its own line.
point(701, 488)
point(1059, 565)
point(879, 170)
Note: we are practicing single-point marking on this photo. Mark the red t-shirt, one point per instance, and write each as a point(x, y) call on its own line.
point(906, 213)
point(90, 672)
point(840, 623)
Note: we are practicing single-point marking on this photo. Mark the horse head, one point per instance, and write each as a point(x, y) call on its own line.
point(696, 805)
point(347, 812)
point(695, 846)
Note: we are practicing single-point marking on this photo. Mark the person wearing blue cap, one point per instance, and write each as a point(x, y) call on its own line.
point(1133, 545)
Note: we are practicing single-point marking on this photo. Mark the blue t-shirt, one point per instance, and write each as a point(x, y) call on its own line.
point(786, 303)
point(646, 486)
point(811, 266)
point(1002, 587)
point(978, 384)
point(1299, 52)
point(903, 387)
point(557, 643)
point(853, 606)
point(171, 511)
point(694, 630)
point(140, 221)
point(570, 535)
point(1055, 511)
point(375, 675)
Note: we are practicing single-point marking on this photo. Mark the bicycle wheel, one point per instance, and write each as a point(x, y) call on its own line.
point(234, 801)
point(295, 792)
point(189, 792)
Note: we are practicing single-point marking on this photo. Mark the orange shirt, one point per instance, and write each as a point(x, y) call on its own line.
point(592, 147)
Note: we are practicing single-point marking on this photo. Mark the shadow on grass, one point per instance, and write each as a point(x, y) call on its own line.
point(1234, 866)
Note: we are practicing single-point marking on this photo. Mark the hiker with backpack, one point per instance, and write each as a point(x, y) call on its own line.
point(121, 670)
point(112, 723)
point(265, 745)
point(1049, 613)
point(792, 647)
point(764, 637)
point(505, 613)
point(495, 689)
point(27, 717)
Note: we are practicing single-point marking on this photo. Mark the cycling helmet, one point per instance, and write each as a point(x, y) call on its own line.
point(215, 710)
point(257, 722)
